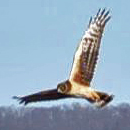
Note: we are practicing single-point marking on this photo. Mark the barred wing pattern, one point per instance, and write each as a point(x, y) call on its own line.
point(87, 53)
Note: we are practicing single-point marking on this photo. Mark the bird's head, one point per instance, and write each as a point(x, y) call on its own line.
point(63, 87)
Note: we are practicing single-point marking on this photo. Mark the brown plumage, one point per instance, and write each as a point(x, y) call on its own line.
point(81, 75)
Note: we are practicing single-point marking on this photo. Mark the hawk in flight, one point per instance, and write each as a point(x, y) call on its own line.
point(79, 83)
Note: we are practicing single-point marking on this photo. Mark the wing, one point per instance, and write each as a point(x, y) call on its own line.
point(41, 96)
point(86, 55)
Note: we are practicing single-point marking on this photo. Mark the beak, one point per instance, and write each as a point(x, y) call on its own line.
point(58, 90)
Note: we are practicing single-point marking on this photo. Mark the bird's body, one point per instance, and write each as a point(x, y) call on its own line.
point(79, 90)
point(83, 92)
point(78, 84)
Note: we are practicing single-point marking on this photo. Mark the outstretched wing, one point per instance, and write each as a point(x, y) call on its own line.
point(87, 52)
point(41, 96)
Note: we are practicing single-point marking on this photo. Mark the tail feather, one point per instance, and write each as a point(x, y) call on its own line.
point(104, 99)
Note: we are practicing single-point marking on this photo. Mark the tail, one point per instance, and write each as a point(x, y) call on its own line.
point(104, 99)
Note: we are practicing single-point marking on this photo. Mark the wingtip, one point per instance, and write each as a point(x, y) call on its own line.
point(90, 20)
point(103, 11)
point(20, 99)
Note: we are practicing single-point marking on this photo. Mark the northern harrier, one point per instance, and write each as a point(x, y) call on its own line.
point(85, 59)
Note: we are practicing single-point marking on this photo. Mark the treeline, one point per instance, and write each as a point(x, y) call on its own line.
point(74, 117)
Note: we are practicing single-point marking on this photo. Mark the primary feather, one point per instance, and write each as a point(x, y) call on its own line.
point(86, 56)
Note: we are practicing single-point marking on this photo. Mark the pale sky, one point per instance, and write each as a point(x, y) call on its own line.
point(38, 39)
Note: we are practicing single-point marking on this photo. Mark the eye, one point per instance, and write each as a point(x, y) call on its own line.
point(63, 88)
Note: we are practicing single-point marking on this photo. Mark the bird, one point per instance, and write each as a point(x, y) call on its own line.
point(78, 85)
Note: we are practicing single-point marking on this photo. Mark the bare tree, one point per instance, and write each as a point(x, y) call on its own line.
point(75, 117)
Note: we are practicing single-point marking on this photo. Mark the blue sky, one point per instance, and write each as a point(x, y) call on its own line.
point(38, 39)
